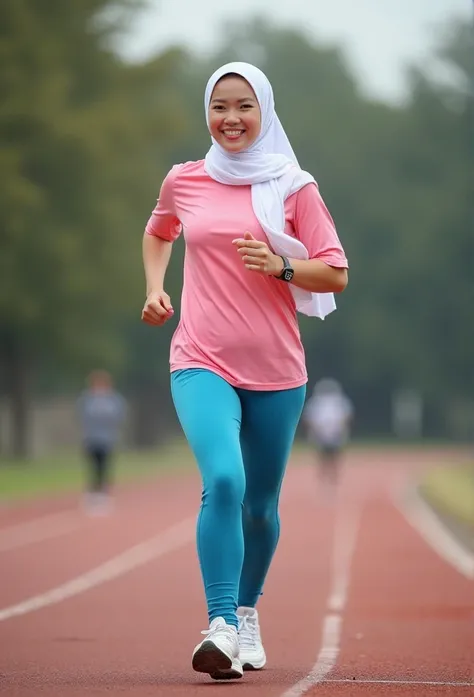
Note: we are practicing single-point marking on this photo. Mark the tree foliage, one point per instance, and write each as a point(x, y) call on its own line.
point(80, 134)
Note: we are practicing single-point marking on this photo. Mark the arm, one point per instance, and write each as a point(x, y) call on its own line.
point(156, 257)
point(326, 269)
point(314, 275)
point(162, 229)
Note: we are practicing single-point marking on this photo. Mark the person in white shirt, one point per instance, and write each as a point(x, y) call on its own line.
point(328, 415)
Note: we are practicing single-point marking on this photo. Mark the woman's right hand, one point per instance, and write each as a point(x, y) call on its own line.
point(157, 309)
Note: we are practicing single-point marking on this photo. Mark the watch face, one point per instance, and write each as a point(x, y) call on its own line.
point(288, 274)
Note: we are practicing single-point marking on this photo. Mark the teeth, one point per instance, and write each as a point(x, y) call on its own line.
point(233, 133)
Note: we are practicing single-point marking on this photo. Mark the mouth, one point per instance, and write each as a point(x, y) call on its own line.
point(233, 134)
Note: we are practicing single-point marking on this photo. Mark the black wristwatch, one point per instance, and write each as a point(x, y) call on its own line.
point(288, 272)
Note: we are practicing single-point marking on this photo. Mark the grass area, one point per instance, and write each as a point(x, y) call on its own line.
point(64, 473)
point(393, 443)
point(451, 490)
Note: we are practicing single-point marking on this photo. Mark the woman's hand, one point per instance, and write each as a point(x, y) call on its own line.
point(157, 309)
point(257, 256)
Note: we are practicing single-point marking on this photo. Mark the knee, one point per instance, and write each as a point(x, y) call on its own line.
point(226, 489)
point(261, 514)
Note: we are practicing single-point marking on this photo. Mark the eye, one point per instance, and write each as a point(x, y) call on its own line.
point(217, 107)
point(246, 106)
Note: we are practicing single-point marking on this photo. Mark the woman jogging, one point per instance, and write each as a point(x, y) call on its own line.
point(260, 246)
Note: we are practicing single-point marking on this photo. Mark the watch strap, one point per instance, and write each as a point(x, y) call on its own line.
point(286, 268)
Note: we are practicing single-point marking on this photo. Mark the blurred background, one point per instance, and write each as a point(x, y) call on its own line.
point(100, 98)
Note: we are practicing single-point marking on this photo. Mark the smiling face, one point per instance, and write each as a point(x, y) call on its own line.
point(234, 114)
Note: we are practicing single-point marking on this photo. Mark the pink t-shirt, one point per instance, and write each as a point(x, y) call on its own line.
point(237, 323)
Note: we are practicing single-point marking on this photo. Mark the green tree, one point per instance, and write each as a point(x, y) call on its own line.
point(412, 301)
point(80, 136)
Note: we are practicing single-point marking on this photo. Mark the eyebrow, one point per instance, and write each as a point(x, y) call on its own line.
point(243, 99)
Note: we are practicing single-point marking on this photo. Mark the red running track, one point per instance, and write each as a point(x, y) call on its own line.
point(356, 603)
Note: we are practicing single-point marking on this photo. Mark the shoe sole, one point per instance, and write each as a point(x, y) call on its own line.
point(210, 659)
point(251, 666)
point(252, 663)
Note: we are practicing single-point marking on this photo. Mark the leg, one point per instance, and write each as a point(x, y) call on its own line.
point(329, 465)
point(95, 500)
point(269, 421)
point(102, 474)
point(210, 414)
point(93, 460)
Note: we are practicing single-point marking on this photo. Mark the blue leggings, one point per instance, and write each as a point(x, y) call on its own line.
point(241, 440)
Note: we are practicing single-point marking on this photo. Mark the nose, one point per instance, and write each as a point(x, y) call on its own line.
point(232, 118)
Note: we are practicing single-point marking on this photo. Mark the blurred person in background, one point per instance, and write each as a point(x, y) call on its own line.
point(260, 245)
point(327, 416)
point(101, 411)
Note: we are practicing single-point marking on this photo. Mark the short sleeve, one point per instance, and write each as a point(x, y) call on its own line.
point(315, 228)
point(164, 221)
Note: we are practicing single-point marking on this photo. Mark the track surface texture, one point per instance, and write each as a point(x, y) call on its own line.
point(357, 602)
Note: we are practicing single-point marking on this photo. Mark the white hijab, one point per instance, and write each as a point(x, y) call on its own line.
point(271, 168)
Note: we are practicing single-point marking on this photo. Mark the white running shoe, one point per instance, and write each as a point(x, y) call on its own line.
point(218, 654)
point(97, 504)
point(252, 653)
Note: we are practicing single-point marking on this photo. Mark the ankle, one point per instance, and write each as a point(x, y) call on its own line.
point(229, 620)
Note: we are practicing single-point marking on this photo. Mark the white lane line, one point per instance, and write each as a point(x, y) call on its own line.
point(167, 541)
point(345, 538)
point(438, 683)
point(429, 526)
point(39, 529)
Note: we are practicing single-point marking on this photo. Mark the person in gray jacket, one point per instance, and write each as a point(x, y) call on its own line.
point(101, 411)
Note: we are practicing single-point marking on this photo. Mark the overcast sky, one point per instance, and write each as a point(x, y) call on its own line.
point(378, 35)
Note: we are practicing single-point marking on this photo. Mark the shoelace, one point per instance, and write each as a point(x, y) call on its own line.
point(248, 632)
point(222, 629)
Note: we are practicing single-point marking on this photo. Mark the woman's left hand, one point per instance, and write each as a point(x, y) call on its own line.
point(257, 256)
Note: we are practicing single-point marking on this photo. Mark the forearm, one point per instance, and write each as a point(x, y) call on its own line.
point(156, 257)
point(317, 276)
